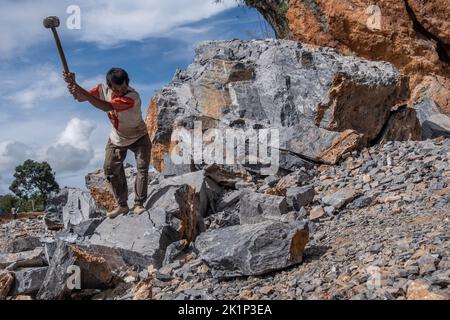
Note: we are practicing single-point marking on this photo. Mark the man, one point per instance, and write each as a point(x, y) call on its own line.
point(123, 106)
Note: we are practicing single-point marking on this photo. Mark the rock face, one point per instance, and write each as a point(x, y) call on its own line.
point(322, 104)
point(412, 34)
point(252, 249)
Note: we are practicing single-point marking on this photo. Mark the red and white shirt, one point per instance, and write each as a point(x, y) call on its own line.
point(126, 118)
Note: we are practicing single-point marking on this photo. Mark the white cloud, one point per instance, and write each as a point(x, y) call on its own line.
point(104, 22)
point(110, 22)
point(34, 86)
point(12, 154)
point(73, 151)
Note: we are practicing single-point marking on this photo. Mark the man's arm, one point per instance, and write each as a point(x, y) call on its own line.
point(81, 95)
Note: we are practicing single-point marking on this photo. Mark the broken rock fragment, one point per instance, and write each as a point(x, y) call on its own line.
point(252, 249)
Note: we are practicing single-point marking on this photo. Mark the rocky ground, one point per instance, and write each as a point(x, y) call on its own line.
point(391, 241)
point(358, 208)
point(378, 229)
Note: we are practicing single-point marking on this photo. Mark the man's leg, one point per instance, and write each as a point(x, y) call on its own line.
point(141, 150)
point(115, 173)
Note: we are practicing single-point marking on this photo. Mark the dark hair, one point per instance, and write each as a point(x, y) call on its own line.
point(117, 76)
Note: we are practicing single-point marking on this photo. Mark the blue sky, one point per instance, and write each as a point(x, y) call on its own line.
point(148, 38)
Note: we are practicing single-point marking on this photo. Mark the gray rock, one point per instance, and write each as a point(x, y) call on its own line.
point(49, 245)
point(361, 202)
point(173, 250)
point(141, 239)
point(87, 228)
point(28, 281)
point(252, 249)
point(298, 197)
point(54, 210)
point(329, 210)
point(80, 207)
point(226, 218)
point(31, 258)
point(229, 200)
point(77, 233)
point(291, 162)
point(256, 207)
point(162, 195)
point(433, 122)
point(271, 180)
point(240, 185)
point(236, 84)
point(340, 198)
point(95, 271)
point(427, 264)
point(24, 243)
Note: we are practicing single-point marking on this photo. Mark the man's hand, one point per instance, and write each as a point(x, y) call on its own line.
point(69, 77)
point(72, 85)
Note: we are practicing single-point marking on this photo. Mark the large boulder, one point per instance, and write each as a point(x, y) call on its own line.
point(412, 34)
point(252, 249)
point(186, 199)
point(321, 103)
point(96, 271)
point(141, 239)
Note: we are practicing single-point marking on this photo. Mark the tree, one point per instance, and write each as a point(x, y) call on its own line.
point(34, 180)
point(7, 202)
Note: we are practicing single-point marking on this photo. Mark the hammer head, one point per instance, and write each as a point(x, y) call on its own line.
point(51, 22)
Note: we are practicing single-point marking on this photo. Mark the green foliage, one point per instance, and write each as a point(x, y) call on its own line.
point(34, 180)
point(7, 202)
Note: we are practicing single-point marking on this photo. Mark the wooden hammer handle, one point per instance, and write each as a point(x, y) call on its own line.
point(60, 50)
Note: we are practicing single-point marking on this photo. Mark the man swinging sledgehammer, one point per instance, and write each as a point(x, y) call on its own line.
point(129, 132)
point(123, 105)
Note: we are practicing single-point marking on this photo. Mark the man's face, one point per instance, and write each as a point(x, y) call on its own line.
point(119, 90)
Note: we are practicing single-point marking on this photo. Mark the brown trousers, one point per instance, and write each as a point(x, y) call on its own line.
point(115, 173)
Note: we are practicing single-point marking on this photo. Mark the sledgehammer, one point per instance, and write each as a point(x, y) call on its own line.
point(53, 23)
